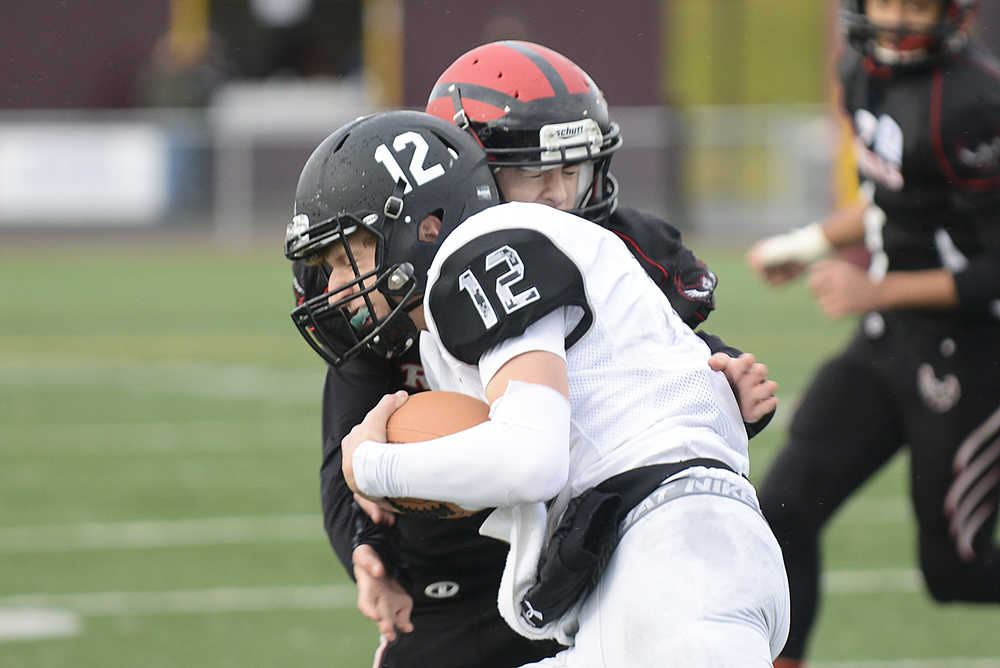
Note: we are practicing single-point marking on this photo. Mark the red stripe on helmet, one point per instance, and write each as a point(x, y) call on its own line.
point(442, 107)
point(502, 69)
point(575, 80)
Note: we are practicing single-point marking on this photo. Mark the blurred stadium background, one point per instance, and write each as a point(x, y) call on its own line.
point(159, 417)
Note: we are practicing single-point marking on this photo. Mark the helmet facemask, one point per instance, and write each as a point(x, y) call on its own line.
point(555, 145)
point(338, 327)
point(908, 47)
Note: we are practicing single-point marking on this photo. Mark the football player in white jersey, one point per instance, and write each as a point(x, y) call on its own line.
point(606, 422)
point(546, 129)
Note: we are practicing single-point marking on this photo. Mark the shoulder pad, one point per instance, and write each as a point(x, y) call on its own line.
point(635, 223)
point(681, 276)
point(968, 130)
point(497, 284)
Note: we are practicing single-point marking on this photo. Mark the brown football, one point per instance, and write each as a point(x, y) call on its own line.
point(428, 415)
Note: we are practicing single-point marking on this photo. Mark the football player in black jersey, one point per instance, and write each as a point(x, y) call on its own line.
point(922, 370)
point(443, 574)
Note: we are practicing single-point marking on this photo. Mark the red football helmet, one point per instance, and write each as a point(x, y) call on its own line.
point(530, 106)
point(912, 47)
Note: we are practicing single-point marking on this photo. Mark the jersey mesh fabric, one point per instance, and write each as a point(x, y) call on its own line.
point(635, 405)
point(641, 391)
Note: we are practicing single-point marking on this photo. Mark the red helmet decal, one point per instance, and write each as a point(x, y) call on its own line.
point(502, 69)
point(575, 80)
point(521, 70)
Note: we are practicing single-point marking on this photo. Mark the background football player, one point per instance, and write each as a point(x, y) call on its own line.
point(922, 369)
point(401, 569)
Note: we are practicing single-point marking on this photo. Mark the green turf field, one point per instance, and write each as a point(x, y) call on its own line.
point(158, 473)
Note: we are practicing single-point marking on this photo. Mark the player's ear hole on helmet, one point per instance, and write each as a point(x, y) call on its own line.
point(430, 226)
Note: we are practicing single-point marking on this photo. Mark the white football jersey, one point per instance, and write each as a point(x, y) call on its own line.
point(641, 390)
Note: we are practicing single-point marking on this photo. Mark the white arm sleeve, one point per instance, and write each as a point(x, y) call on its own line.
point(520, 455)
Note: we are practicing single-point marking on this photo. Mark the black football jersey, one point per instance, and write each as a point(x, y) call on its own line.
point(927, 142)
point(658, 247)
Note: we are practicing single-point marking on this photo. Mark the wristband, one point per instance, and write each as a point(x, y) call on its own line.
point(802, 245)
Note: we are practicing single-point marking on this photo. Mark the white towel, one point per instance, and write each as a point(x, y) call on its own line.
point(524, 527)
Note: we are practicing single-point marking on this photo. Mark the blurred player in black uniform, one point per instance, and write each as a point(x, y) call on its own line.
point(552, 144)
point(923, 369)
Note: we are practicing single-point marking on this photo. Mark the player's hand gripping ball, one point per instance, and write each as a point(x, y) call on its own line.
point(428, 415)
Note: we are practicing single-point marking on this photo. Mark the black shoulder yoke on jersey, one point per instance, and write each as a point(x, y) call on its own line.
point(657, 246)
point(493, 287)
point(968, 121)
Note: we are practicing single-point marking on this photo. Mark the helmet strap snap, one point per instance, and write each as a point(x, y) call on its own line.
point(393, 207)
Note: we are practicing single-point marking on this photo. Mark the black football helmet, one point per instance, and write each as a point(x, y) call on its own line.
point(912, 47)
point(530, 106)
point(383, 173)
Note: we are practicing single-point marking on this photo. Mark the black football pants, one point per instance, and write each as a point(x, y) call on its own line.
point(894, 387)
point(462, 635)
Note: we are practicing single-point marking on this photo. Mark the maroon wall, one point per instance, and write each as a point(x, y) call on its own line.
point(617, 43)
point(73, 54)
point(989, 24)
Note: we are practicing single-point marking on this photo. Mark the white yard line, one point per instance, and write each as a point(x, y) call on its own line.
point(202, 379)
point(223, 599)
point(196, 601)
point(18, 623)
point(54, 615)
point(338, 596)
point(226, 530)
point(872, 581)
point(154, 439)
point(164, 533)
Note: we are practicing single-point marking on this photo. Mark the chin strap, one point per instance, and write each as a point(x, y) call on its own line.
point(461, 119)
point(394, 202)
point(399, 332)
